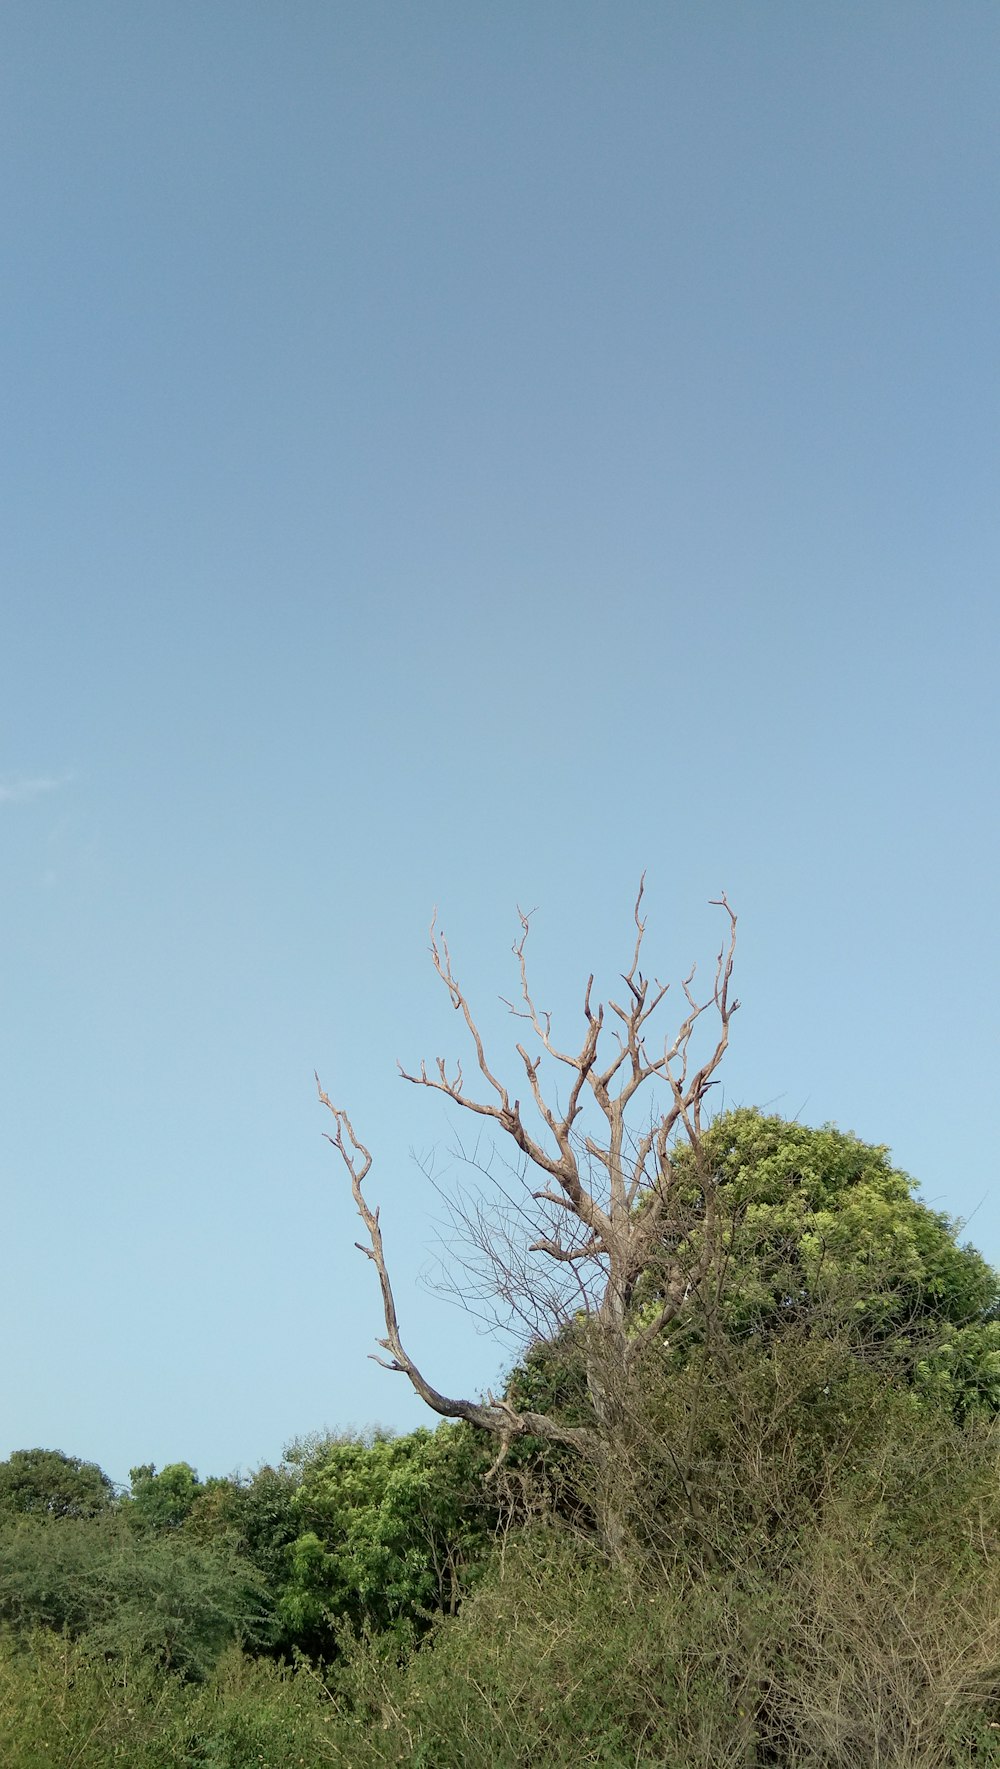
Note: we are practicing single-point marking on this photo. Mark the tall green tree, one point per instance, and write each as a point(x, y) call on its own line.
point(821, 1232)
point(161, 1500)
point(391, 1530)
point(47, 1483)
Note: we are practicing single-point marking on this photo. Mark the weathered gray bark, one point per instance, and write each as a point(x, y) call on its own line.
point(608, 1204)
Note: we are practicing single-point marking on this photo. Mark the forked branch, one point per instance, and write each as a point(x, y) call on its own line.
point(492, 1415)
point(614, 1191)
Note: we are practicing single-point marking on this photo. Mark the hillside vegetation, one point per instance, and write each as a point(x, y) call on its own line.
point(787, 1554)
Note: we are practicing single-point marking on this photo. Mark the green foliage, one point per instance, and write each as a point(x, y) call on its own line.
point(559, 1660)
point(552, 1378)
point(257, 1514)
point(960, 1366)
point(45, 1483)
point(389, 1530)
point(863, 1632)
point(803, 1570)
point(63, 1709)
point(816, 1215)
point(164, 1500)
point(123, 1594)
point(251, 1714)
point(851, 1625)
point(819, 1229)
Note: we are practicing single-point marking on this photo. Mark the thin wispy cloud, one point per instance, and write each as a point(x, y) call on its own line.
point(23, 790)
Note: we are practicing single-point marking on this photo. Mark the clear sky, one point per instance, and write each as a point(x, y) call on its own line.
point(465, 455)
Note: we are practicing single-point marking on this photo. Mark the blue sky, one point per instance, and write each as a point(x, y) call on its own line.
point(467, 455)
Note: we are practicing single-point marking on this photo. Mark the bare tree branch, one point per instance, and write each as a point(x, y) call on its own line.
point(493, 1415)
point(608, 1214)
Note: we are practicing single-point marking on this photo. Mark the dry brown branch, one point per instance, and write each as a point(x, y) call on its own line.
point(607, 1213)
point(491, 1415)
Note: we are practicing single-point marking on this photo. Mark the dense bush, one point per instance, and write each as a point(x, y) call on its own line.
point(391, 1530)
point(176, 1602)
point(865, 1630)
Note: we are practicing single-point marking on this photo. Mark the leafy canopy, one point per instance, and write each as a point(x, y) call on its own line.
point(388, 1529)
point(821, 1228)
point(45, 1483)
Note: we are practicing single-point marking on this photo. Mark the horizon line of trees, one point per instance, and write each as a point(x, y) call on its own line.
point(803, 1569)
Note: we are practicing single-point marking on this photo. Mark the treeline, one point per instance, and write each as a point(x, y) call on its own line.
point(789, 1558)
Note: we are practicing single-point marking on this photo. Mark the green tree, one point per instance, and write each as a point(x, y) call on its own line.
point(46, 1483)
point(161, 1500)
point(391, 1530)
point(258, 1513)
point(257, 1518)
point(822, 1233)
point(812, 1210)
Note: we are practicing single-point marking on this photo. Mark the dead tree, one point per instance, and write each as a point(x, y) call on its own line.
point(611, 1205)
